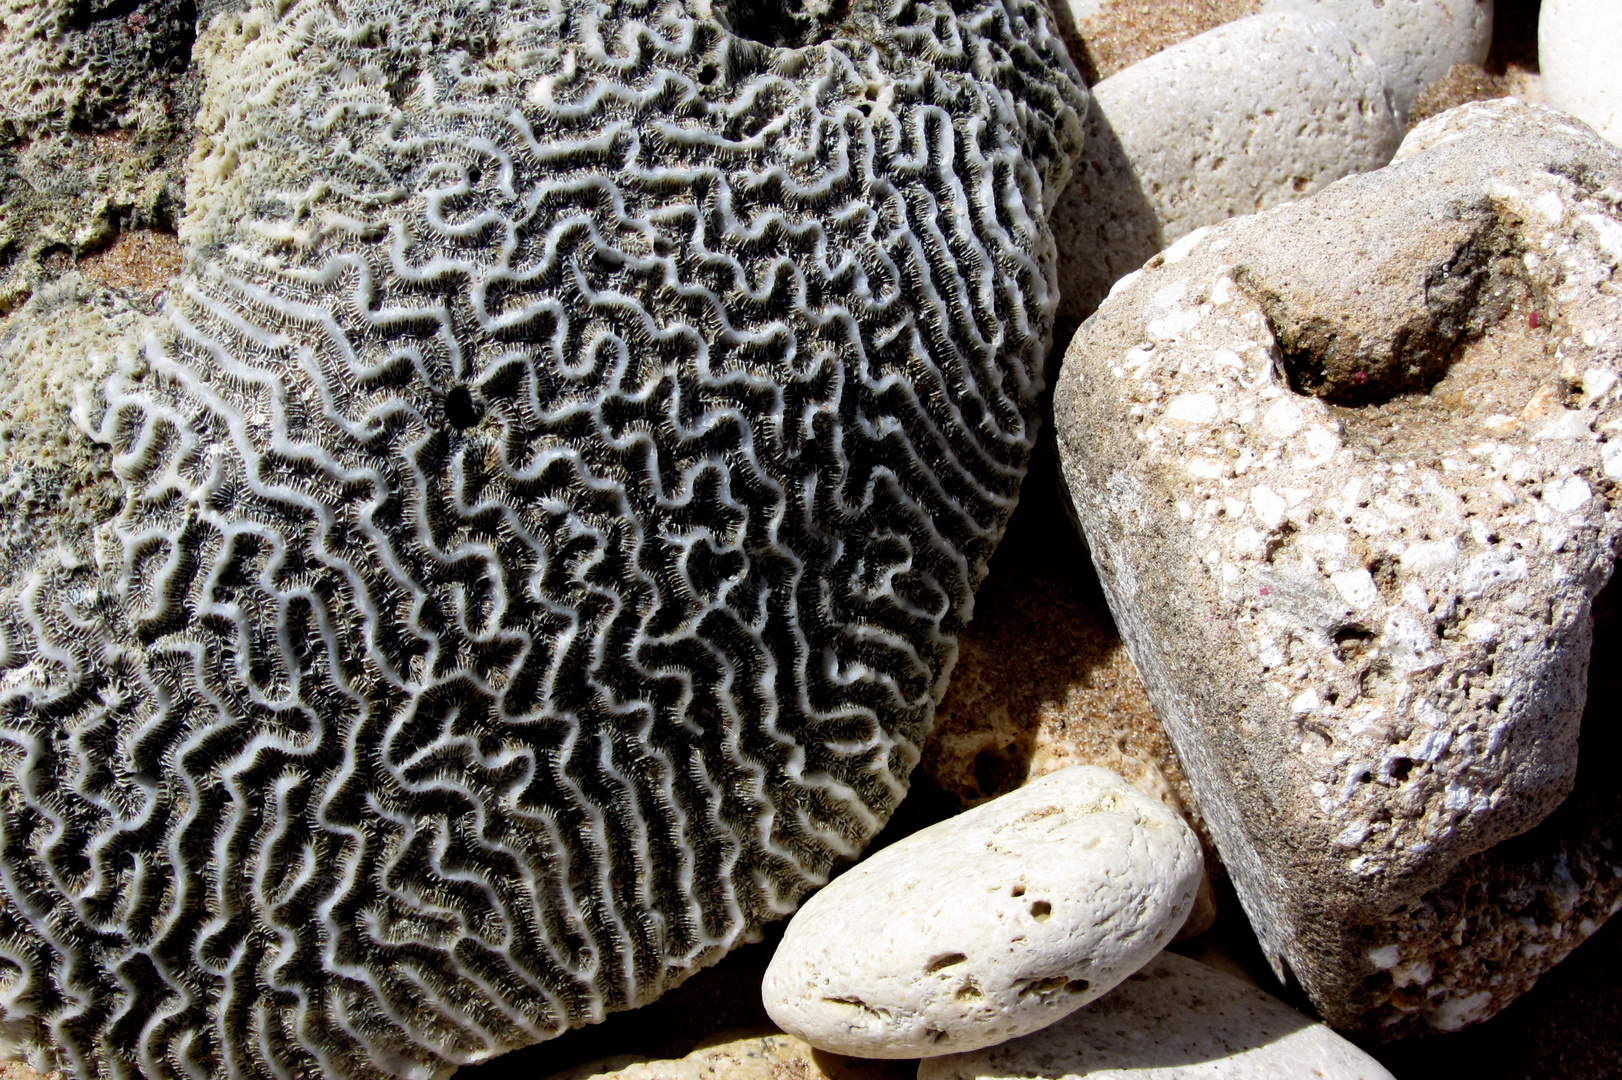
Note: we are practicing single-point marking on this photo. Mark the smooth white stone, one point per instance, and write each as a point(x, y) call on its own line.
point(1579, 50)
point(1176, 1019)
point(989, 925)
point(1414, 42)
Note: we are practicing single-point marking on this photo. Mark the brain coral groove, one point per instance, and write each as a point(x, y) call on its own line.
point(549, 508)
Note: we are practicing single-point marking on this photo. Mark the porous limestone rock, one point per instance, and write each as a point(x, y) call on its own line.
point(1579, 42)
point(1256, 113)
point(543, 517)
point(1414, 42)
point(1175, 1019)
point(746, 1057)
point(988, 925)
point(1347, 470)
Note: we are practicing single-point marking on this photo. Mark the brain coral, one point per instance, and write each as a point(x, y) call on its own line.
point(545, 517)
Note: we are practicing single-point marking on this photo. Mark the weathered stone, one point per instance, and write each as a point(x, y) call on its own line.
point(1414, 42)
point(988, 925)
point(1347, 470)
point(1579, 43)
point(1173, 1019)
point(1256, 113)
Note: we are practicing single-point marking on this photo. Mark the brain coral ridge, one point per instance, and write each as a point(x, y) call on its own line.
point(546, 514)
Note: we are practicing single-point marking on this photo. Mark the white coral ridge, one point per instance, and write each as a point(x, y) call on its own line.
point(545, 529)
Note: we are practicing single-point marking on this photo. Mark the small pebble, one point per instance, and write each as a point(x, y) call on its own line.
point(1579, 48)
point(989, 925)
point(1174, 1020)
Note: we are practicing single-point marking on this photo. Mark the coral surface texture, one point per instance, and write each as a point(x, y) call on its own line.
point(546, 509)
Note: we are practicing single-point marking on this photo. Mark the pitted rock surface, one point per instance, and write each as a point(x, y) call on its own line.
point(1414, 42)
point(1348, 470)
point(988, 925)
point(545, 514)
point(1176, 1019)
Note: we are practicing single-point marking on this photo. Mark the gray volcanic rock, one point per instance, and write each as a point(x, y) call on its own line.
point(1348, 470)
point(544, 514)
point(1241, 118)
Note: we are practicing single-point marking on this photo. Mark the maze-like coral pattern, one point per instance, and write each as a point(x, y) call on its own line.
point(546, 529)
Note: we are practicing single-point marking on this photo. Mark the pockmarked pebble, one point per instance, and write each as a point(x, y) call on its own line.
point(1414, 42)
point(1579, 43)
point(1175, 1019)
point(990, 924)
point(1262, 111)
point(1348, 472)
point(526, 550)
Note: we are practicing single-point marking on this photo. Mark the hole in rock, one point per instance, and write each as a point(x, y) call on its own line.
point(708, 74)
point(1041, 910)
point(1077, 986)
point(1422, 344)
point(460, 411)
point(968, 992)
point(1043, 987)
point(945, 960)
point(1017, 890)
point(1351, 642)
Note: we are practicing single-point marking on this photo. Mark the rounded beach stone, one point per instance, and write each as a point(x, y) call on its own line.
point(1413, 41)
point(988, 925)
point(1578, 45)
point(1175, 1018)
point(1250, 115)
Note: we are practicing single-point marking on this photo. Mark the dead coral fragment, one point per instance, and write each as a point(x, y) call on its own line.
point(544, 534)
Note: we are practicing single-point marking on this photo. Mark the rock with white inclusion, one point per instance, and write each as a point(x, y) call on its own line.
point(1175, 1019)
point(1579, 47)
point(1259, 112)
point(1414, 42)
point(988, 925)
point(1348, 472)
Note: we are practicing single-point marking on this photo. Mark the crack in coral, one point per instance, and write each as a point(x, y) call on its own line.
point(546, 526)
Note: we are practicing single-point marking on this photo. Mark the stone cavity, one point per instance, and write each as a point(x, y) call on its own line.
point(1174, 1019)
point(1578, 45)
point(544, 517)
point(1414, 42)
point(1250, 115)
point(988, 925)
point(1347, 469)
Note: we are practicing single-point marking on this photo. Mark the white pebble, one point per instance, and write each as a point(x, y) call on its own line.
point(1579, 43)
point(1175, 1020)
point(1414, 42)
point(989, 925)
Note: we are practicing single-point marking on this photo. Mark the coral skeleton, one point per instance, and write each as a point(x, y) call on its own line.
point(544, 515)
